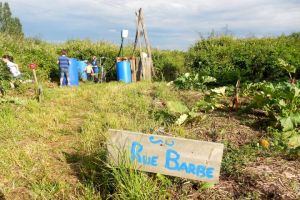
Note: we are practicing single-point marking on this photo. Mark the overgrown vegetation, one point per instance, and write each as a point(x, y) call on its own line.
point(256, 59)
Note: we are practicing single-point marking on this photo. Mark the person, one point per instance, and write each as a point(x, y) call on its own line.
point(64, 62)
point(95, 68)
point(89, 71)
point(13, 68)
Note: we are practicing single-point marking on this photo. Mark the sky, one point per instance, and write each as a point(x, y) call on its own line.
point(174, 24)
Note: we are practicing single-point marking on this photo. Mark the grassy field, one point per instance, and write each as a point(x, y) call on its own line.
point(56, 149)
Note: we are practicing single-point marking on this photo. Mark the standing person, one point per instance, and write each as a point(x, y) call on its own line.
point(95, 68)
point(89, 71)
point(64, 62)
point(13, 68)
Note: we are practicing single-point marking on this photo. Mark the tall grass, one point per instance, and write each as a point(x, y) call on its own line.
point(56, 149)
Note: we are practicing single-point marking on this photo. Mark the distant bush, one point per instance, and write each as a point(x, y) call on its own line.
point(254, 59)
point(26, 51)
point(168, 64)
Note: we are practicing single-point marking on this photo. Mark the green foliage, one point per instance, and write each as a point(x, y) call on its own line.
point(212, 99)
point(176, 107)
point(8, 24)
point(282, 103)
point(133, 184)
point(27, 51)
point(178, 110)
point(168, 64)
point(193, 81)
point(33, 50)
point(229, 59)
point(205, 186)
point(289, 68)
point(235, 158)
point(4, 77)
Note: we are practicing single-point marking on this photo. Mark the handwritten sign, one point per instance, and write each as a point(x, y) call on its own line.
point(172, 156)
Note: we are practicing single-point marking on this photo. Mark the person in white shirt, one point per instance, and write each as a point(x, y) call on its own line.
point(13, 68)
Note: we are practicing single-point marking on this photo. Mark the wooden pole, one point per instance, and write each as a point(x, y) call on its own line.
point(136, 33)
point(151, 70)
point(145, 33)
point(133, 69)
point(35, 78)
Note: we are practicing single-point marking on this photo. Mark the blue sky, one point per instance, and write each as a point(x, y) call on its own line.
point(175, 24)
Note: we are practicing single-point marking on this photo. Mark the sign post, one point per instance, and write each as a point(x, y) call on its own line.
point(185, 158)
point(39, 89)
point(33, 67)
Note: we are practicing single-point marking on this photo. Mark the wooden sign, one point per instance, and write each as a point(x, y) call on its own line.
point(172, 156)
point(32, 66)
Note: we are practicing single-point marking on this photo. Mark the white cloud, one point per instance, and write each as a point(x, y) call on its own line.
point(174, 24)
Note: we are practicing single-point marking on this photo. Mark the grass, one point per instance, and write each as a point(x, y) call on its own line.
point(49, 150)
point(56, 149)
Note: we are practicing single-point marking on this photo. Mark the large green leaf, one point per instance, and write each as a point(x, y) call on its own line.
point(219, 90)
point(291, 122)
point(206, 185)
point(288, 67)
point(295, 117)
point(207, 106)
point(208, 79)
point(286, 123)
point(177, 107)
point(288, 134)
point(187, 75)
point(294, 141)
point(297, 90)
point(181, 119)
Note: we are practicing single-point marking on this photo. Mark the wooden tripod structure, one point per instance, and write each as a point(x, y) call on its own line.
point(142, 67)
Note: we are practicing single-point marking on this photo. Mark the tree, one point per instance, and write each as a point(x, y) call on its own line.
point(8, 24)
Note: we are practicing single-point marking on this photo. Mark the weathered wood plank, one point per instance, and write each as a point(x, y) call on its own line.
point(185, 158)
point(133, 69)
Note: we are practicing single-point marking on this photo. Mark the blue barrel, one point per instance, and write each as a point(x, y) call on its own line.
point(81, 68)
point(124, 71)
point(73, 73)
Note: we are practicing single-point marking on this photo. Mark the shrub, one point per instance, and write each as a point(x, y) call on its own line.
point(254, 59)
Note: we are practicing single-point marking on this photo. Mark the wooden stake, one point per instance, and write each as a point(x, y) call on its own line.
point(147, 44)
point(145, 67)
point(236, 100)
point(145, 33)
point(35, 78)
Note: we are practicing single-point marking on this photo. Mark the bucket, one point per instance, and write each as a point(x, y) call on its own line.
point(73, 73)
point(123, 71)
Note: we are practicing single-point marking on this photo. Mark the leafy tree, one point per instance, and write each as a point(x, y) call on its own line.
point(9, 24)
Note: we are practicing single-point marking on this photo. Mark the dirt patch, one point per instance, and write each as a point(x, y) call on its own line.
point(275, 178)
point(265, 178)
point(19, 193)
point(190, 97)
point(224, 127)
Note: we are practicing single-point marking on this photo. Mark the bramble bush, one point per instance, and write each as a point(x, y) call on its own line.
point(249, 59)
point(168, 64)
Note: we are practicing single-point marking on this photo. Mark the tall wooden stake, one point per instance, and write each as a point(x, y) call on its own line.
point(35, 78)
point(146, 68)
